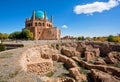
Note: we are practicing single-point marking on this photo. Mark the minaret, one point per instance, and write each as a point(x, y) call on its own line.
point(51, 19)
point(33, 16)
point(44, 15)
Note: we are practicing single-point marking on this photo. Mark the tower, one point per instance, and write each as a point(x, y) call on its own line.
point(51, 19)
point(33, 15)
point(44, 15)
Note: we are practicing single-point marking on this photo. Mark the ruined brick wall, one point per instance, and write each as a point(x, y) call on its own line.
point(50, 34)
point(104, 47)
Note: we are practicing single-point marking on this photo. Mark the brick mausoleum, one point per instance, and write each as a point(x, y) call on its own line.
point(41, 27)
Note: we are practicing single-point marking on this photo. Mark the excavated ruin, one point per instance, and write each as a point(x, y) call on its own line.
point(84, 61)
point(62, 62)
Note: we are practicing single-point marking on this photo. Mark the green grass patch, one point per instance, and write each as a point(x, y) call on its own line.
point(50, 74)
point(83, 59)
point(83, 71)
point(115, 65)
point(62, 75)
point(91, 62)
point(84, 81)
point(12, 75)
point(5, 55)
point(3, 81)
point(5, 65)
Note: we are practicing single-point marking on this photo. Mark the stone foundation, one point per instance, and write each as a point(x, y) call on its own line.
point(33, 61)
point(40, 68)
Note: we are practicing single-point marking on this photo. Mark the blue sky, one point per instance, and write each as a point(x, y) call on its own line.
point(73, 17)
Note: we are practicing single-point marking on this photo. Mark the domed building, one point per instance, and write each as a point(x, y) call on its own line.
point(41, 27)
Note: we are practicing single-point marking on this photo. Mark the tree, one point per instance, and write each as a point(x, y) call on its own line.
point(88, 38)
point(94, 38)
point(116, 39)
point(2, 47)
point(110, 38)
point(15, 35)
point(26, 34)
point(3, 36)
point(81, 38)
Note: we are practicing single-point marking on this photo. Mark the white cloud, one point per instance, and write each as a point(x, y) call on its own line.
point(95, 7)
point(64, 26)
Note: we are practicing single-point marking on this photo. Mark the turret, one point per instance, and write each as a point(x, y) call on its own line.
point(44, 15)
point(51, 19)
point(27, 19)
point(33, 16)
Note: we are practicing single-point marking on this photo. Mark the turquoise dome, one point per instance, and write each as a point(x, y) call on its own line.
point(39, 14)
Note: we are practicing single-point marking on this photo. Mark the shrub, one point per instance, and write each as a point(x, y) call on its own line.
point(12, 75)
point(2, 47)
point(50, 74)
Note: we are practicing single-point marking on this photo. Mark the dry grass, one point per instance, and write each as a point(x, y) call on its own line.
point(6, 55)
point(12, 75)
point(3, 81)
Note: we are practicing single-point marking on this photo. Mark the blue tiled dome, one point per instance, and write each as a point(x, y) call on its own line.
point(39, 14)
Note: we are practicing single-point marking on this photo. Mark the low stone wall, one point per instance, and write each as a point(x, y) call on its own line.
point(100, 76)
point(104, 47)
point(33, 62)
point(40, 68)
point(75, 73)
point(13, 46)
point(69, 63)
point(108, 69)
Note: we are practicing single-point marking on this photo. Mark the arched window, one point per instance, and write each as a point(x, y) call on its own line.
point(49, 25)
point(30, 24)
point(43, 24)
point(35, 24)
point(39, 24)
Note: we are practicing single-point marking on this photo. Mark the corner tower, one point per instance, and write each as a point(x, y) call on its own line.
point(33, 15)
